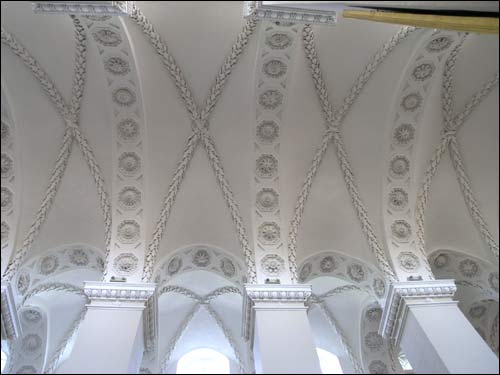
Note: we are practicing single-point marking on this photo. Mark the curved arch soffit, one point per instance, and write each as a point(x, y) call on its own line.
point(200, 257)
point(421, 74)
point(467, 270)
point(122, 85)
point(56, 261)
point(29, 351)
point(336, 264)
point(11, 158)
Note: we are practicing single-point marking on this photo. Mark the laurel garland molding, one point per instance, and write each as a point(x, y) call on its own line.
point(200, 301)
point(28, 352)
point(334, 119)
point(334, 264)
point(398, 180)
point(9, 183)
point(200, 257)
point(70, 114)
point(452, 122)
point(200, 134)
point(128, 236)
point(275, 57)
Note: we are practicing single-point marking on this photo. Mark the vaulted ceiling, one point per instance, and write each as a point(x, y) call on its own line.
point(199, 35)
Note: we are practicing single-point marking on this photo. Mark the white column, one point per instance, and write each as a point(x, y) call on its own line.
point(276, 322)
point(435, 336)
point(115, 331)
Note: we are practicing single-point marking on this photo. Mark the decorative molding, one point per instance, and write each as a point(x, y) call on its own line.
point(274, 296)
point(452, 123)
point(11, 327)
point(375, 349)
point(334, 264)
point(128, 238)
point(199, 117)
point(275, 58)
point(69, 113)
point(468, 272)
point(9, 182)
point(200, 301)
point(118, 295)
point(423, 69)
point(28, 351)
point(333, 120)
point(89, 8)
point(56, 261)
point(288, 14)
point(217, 261)
point(403, 295)
point(151, 326)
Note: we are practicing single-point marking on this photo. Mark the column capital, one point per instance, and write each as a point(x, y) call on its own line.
point(119, 295)
point(271, 297)
point(11, 328)
point(403, 295)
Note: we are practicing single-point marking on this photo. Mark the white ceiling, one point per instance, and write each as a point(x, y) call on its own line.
point(199, 35)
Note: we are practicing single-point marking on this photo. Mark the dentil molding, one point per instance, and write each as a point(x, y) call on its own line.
point(270, 296)
point(403, 295)
point(118, 8)
point(11, 327)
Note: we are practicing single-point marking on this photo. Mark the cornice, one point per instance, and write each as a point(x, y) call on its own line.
point(117, 8)
point(288, 14)
point(403, 295)
point(113, 292)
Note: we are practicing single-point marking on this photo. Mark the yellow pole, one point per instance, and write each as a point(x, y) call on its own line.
point(482, 25)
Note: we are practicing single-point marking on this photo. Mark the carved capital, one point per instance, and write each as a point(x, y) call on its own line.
point(403, 295)
point(91, 8)
point(11, 328)
point(271, 297)
point(119, 295)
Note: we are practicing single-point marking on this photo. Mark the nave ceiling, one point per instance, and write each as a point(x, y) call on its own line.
point(271, 84)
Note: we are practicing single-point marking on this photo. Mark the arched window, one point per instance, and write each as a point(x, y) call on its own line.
point(203, 361)
point(328, 362)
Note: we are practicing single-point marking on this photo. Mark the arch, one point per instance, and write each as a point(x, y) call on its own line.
point(124, 93)
point(339, 265)
point(203, 360)
point(477, 289)
point(468, 271)
point(10, 171)
point(200, 257)
point(202, 306)
point(375, 351)
point(29, 351)
point(399, 182)
point(56, 261)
